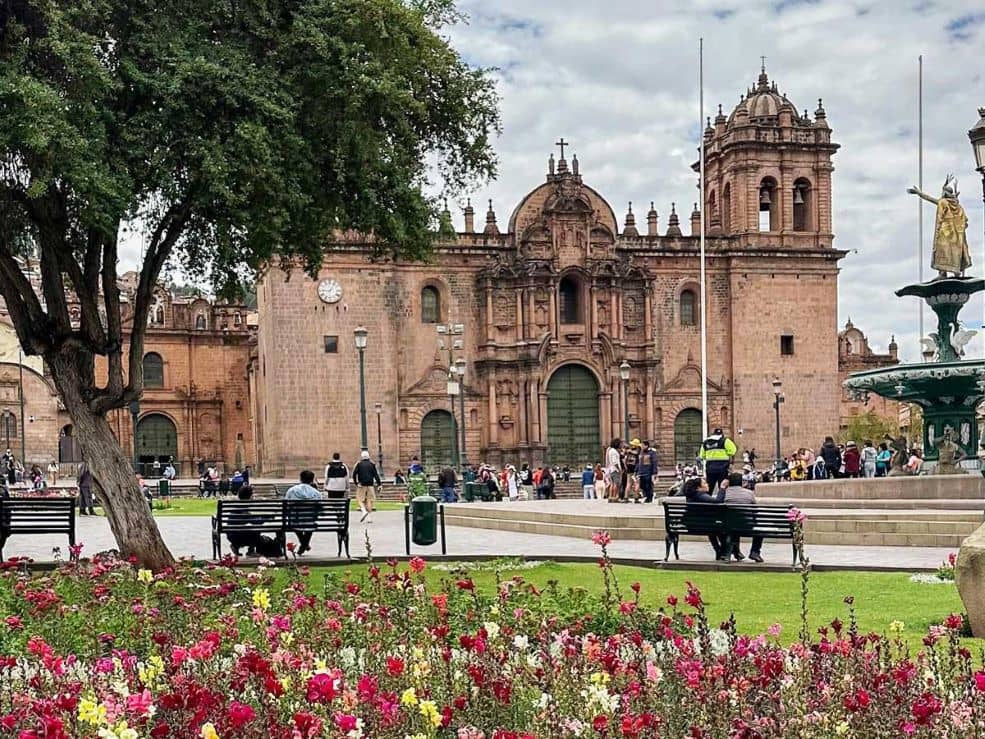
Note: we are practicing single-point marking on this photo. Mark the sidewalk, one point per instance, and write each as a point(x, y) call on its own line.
point(191, 536)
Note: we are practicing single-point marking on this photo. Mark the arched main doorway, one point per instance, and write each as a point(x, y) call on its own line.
point(68, 445)
point(437, 441)
point(157, 440)
point(573, 417)
point(687, 436)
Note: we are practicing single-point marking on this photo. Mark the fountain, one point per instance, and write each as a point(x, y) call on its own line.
point(949, 388)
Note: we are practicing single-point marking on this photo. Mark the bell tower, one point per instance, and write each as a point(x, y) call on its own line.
point(768, 172)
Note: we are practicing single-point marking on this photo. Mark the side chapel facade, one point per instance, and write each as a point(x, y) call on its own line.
point(546, 308)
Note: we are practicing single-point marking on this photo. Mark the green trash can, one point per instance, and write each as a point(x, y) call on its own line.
point(470, 491)
point(163, 488)
point(424, 520)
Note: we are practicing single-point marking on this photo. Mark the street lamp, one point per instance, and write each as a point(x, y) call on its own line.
point(134, 412)
point(777, 399)
point(379, 434)
point(977, 137)
point(360, 335)
point(453, 390)
point(460, 369)
point(624, 376)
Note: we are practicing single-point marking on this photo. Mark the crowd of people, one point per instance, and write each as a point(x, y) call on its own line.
point(836, 461)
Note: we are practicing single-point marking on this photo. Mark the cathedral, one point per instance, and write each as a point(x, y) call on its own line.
point(564, 326)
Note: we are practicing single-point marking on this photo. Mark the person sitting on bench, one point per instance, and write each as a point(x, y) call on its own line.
point(695, 490)
point(303, 522)
point(739, 494)
point(239, 539)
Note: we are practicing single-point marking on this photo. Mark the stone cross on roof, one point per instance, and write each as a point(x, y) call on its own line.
point(562, 143)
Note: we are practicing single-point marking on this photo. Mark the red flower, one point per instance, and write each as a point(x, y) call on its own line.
point(240, 714)
point(600, 723)
point(980, 681)
point(635, 587)
point(394, 666)
point(672, 601)
point(346, 722)
point(693, 597)
point(307, 724)
point(417, 565)
point(925, 707)
point(321, 688)
point(954, 622)
point(291, 546)
point(465, 584)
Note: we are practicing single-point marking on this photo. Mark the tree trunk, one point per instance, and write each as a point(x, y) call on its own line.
point(130, 519)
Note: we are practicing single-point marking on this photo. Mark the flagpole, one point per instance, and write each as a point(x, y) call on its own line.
point(701, 188)
point(920, 176)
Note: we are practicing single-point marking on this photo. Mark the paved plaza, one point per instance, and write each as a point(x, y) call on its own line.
point(191, 536)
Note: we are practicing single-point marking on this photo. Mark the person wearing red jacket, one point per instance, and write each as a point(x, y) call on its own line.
point(852, 460)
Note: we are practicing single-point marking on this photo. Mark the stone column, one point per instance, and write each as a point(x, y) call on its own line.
point(555, 319)
point(649, 429)
point(593, 313)
point(521, 331)
point(490, 330)
point(647, 317)
point(605, 411)
point(534, 412)
point(493, 411)
point(522, 435)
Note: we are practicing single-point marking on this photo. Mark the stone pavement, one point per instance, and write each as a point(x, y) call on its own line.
point(191, 536)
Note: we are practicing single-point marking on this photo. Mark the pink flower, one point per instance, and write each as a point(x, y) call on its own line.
point(795, 515)
point(13, 623)
point(601, 538)
point(240, 714)
point(346, 722)
point(774, 630)
point(417, 565)
point(980, 681)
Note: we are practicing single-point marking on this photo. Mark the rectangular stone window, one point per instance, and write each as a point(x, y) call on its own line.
point(331, 344)
point(786, 345)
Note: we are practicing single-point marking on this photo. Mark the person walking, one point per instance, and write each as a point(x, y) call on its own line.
point(601, 484)
point(84, 481)
point(53, 473)
point(869, 457)
point(831, 455)
point(526, 482)
point(336, 478)
point(588, 483)
point(646, 468)
point(367, 479)
point(613, 469)
point(852, 460)
point(512, 483)
point(882, 459)
point(303, 522)
point(717, 452)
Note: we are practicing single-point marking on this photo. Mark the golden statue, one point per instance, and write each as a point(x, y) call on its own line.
point(950, 241)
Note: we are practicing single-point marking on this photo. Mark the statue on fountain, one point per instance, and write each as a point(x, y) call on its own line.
point(949, 455)
point(950, 240)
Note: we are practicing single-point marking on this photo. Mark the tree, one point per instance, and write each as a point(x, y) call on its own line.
point(234, 132)
point(868, 426)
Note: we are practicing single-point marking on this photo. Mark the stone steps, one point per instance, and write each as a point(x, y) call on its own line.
point(881, 488)
point(943, 504)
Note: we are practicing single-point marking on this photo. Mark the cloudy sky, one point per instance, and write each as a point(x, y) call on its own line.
point(619, 79)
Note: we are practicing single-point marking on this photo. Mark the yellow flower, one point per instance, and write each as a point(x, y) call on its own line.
point(145, 576)
point(842, 728)
point(409, 697)
point(261, 599)
point(430, 711)
point(149, 672)
point(600, 678)
point(91, 712)
point(209, 732)
point(896, 627)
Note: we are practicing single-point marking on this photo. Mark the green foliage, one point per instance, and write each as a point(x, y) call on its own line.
point(869, 425)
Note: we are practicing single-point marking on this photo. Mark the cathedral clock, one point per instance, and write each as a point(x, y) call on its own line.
point(330, 291)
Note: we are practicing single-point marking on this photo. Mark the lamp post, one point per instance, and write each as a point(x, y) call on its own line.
point(777, 399)
point(453, 390)
point(977, 137)
point(134, 412)
point(379, 434)
point(460, 369)
point(624, 376)
point(360, 335)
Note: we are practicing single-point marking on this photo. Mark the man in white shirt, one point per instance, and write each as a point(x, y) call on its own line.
point(613, 467)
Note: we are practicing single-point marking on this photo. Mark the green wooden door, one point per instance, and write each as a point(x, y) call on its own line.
point(157, 439)
point(573, 418)
point(437, 441)
point(687, 436)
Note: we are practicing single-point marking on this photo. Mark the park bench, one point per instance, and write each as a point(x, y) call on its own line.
point(36, 516)
point(279, 517)
point(726, 520)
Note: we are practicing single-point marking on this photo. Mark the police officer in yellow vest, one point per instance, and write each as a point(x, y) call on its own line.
point(717, 452)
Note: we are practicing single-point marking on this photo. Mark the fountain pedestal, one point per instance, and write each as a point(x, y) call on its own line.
point(949, 389)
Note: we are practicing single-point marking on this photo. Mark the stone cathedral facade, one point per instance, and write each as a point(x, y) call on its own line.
point(546, 306)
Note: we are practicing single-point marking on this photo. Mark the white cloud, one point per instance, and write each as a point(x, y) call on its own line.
point(619, 79)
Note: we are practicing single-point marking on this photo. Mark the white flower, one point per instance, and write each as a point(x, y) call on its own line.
point(520, 641)
point(492, 629)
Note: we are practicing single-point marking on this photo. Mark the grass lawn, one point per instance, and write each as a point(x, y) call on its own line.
point(758, 599)
point(206, 507)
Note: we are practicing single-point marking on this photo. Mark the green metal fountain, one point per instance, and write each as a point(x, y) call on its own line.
point(949, 388)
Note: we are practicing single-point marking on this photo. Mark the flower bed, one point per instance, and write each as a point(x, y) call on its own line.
point(101, 649)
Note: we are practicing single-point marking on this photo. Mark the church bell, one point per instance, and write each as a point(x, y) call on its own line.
point(764, 196)
point(798, 196)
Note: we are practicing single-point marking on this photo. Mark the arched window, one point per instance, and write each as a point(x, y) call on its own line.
point(430, 305)
point(8, 426)
point(153, 370)
point(727, 208)
point(769, 205)
point(569, 299)
point(200, 324)
point(688, 304)
point(802, 205)
point(159, 315)
point(237, 319)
